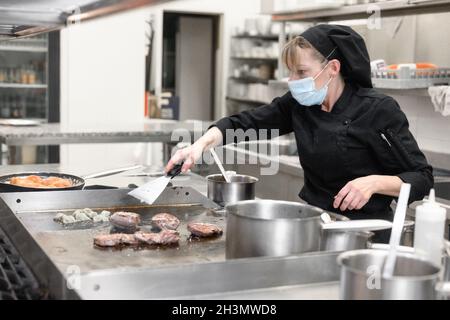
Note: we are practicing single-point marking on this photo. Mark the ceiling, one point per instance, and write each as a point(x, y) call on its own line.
point(20, 18)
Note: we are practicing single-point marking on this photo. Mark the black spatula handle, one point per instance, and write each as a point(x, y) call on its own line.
point(176, 170)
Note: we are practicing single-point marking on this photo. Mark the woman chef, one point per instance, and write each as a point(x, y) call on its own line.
point(353, 142)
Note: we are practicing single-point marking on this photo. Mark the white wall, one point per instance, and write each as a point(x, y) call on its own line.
point(431, 129)
point(102, 86)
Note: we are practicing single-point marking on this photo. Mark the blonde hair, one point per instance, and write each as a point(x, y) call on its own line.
point(289, 55)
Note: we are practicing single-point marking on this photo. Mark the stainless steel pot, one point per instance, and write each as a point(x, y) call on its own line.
point(271, 228)
point(241, 187)
point(345, 240)
point(361, 276)
point(407, 238)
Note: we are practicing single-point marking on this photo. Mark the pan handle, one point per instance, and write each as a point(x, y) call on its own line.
point(111, 172)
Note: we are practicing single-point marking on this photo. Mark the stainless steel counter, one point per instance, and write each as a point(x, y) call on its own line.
point(194, 270)
point(150, 130)
point(54, 133)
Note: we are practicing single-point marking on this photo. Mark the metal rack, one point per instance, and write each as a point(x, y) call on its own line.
point(273, 59)
point(257, 37)
point(411, 82)
point(22, 86)
point(249, 79)
point(360, 11)
point(249, 101)
point(254, 60)
point(407, 78)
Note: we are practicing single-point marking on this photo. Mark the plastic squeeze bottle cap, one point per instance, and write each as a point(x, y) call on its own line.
point(431, 204)
point(432, 197)
point(433, 210)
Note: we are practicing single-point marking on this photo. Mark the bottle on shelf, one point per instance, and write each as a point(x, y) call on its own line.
point(4, 107)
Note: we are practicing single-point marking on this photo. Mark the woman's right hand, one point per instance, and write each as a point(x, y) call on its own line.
point(189, 155)
point(194, 152)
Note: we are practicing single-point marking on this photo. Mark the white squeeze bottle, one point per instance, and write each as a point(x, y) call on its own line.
point(429, 230)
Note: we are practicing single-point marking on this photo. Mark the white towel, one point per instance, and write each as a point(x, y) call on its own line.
point(440, 97)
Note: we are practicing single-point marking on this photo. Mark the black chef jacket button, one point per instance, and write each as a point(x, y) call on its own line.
point(346, 122)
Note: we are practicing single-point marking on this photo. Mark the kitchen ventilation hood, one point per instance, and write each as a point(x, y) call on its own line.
point(19, 18)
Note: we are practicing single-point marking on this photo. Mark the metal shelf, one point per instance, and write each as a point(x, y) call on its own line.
point(255, 58)
point(422, 92)
point(23, 48)
point(360, 11)
point(250, 80)
point(256, 37)
point(23, 86)
point(244, 100)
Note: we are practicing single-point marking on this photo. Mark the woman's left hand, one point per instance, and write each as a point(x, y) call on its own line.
point(356, 193)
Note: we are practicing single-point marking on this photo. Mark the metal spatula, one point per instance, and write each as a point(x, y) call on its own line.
point(150, 191)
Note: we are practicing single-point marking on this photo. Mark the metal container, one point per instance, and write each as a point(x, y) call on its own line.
point(258, 228)
point(344, 240)
point(335, 240)
point(361, 276)
point(407, 238)
point(241, 187)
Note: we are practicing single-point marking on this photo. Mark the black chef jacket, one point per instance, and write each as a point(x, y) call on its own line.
point(365, 133)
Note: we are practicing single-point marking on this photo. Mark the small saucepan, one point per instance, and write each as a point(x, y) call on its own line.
point(77, 183)
point(241, 187)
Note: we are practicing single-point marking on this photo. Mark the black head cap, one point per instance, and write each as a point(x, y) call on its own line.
point(345, 44)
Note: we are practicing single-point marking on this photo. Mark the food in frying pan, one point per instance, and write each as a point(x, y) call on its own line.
point(204, 230)
point(114, 240)
point(79, 215)
point(165, 237)
point(165, 221)
point(34, 181)
point(125, 222)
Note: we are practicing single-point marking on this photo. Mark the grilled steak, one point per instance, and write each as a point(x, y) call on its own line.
point(165, 237)
point(129, 239)
point(115, 240)
point(125, 221)
point(204, 229)
point(165, 221)
point(108, 240)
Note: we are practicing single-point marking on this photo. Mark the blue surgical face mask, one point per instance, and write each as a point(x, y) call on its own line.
point(305, 92)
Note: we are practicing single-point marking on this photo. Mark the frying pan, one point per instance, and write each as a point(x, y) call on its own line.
point(78, 182)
